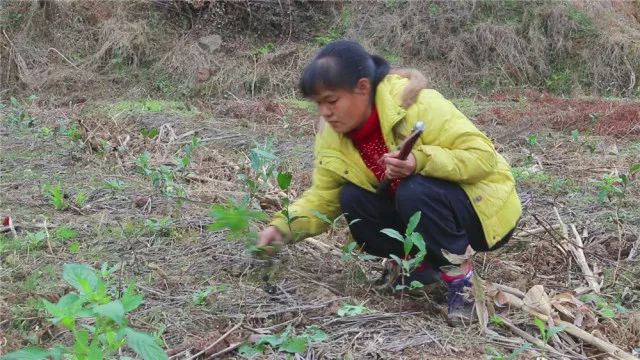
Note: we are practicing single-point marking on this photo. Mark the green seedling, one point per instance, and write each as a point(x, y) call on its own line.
point(610, 187)
point(285, 342)
point(64, 233)
point(46, 132)
point(352, 310)
point(547, 333)
point(532, 140)
point(160, 226)
point(200, 297)
point(56, 196)
point(603, 307)
point(575, 134)
point(410, 240)
point(19, 115)
point(80, 199)
point(96, 320)
point(150, 133)
point(114, 184)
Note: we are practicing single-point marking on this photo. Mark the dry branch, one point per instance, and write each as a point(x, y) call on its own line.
point(578, 254)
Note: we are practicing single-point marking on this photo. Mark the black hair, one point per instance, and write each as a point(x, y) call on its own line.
point(339, 65)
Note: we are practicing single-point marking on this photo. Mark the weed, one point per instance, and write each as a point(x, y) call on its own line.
point(150, 106)
point(264, 49)
point(19, 115)
point(575, 135)
point(114, 184)
point(80, 199)
point(559, 82)
point(56, 196)
point(64, 233)
point(609, 187)
point(285, 342)
point(72, 133)
point(160, 226)
point(46, 132)
point(200, 297)
point(109, 331)
point(351, 310)
point(547, 333)
point(150, 133)
point(532, 140)
point(74, 247)
point(603, 307)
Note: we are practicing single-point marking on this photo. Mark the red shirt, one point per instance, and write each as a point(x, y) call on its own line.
point(370, 143)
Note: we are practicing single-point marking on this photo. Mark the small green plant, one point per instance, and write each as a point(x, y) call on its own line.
point(602, 306)
point(200, 297)
point(46, 132)
point(72, 132)
point(160, 226)
point(497, 355)
point(610, 187)
point(559, 82)
point(56, 196)
point(185, 160)
point(410, 240)
point(19, 115)
point(532, 140)
point(163, 178)
point(150, 133)
point(352, 310)
point(95, 318)
point(264, 49)
point(237, 218)
point(575, 134)
point(80, 199)
point(74, 247)
point(114, 184)
point(64, 233)
point(285, 342)
point(547, 333)
point(34, 241)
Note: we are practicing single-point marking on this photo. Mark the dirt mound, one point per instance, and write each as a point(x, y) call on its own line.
point(602, 117)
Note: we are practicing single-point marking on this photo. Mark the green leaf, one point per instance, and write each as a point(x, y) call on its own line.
point(272, 340)
point(542, 327)
point(393, 233)
point(321, 216)
point(131, 300)
point(284, 180)
point(351, 310)
point(415, 284)
point(64, 233)
point(607, 312)
point(144, 345)
point(635, 168)
point(314, 334)
point(74, 274)
point(30, 353)
point(81, 346)
point(295, 345)
point(113, 310)
point(574, 135)
point(496, 320)
point(521, 349)
point(247, 350)
point(413, 222)
point(553, 330)
point(418, 241)
point(74, 247)
point(396, 258)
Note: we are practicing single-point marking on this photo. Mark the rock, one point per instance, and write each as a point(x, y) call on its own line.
point(210, 43)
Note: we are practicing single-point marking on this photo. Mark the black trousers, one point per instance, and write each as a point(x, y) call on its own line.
point(448, 220)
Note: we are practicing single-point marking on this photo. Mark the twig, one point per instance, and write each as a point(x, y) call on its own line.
point(603, 345)
point(525, 335)
point(46, 231)
point(508, 289)
point(217, 341)
point(226, 350)
point(578, 254)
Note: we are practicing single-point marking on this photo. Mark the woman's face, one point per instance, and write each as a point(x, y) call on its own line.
point(345, 110)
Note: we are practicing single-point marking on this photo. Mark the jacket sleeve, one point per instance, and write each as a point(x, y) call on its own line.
point(323, 196)
point(452, 147)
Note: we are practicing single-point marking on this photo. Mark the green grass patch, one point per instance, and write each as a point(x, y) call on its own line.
point(150, 106)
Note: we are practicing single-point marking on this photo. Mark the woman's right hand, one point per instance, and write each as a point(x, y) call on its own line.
point(270, 239)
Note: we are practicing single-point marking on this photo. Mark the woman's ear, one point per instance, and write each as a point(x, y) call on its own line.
point(363, 87)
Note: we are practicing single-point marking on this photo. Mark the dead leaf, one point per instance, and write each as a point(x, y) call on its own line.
point(536, 299)
point(458, 259)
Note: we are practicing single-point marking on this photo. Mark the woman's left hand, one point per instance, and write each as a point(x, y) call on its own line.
point(396, 168)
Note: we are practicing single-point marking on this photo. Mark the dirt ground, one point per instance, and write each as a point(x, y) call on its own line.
point(307, 283)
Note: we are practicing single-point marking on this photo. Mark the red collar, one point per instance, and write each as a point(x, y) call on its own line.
point(371, 126)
